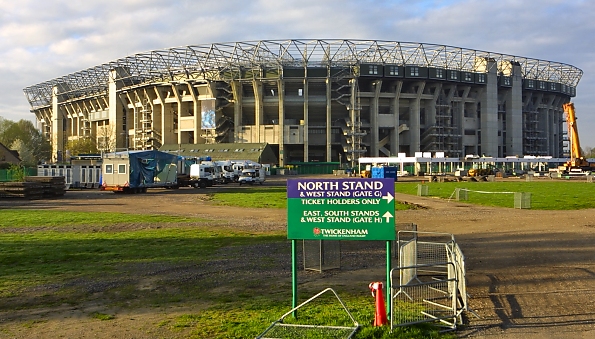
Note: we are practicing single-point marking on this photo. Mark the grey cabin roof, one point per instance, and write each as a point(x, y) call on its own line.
point(258, 152)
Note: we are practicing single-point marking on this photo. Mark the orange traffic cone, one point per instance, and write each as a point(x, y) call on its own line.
point(380, 315)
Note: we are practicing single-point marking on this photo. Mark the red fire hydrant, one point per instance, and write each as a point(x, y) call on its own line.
point(380, 314)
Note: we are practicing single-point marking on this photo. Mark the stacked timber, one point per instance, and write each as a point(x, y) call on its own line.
point(34, 188)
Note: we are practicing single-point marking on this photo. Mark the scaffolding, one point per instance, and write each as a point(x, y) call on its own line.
point(534, 142)
point(443, 133)
point(144, 138)
point(346, 92)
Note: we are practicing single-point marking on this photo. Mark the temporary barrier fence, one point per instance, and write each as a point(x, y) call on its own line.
point(403, 226)
point(321, 255)
point(431, 280)
point(422, 190)
point(280, 329)
point(522, 200)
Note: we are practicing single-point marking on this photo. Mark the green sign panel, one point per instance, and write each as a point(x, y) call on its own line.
point(341, 209)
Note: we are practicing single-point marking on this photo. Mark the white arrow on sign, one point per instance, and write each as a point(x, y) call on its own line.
point(387, 215)
point(388, 197)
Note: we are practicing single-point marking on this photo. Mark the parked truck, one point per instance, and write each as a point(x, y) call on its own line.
point(252, 174)
point(136, 171)
point(218, 172)
point(227, 172)
point(201, 175)
point(238, 167)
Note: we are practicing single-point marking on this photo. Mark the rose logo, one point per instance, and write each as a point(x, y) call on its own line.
point(316, 231)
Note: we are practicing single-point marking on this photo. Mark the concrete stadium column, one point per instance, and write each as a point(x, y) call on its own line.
point(394, 133)
point(431, 108)
point(527, 102)
point(306, 123)
point(549, 133)
point(281, 90)
point(328, 121)
point(80, 132)
point(57, 126)
point(553, 108)
point(514, 114)
point(460, 113)
point(134, 118)
point(374, 118)
point(116, 109)
point(414, 113)
point(70, 122)
point(236, 88)
point(558, 125)
point(166, 125)
point(178, 98)
point(489, 112)
point(196, 107)
point(258, 107)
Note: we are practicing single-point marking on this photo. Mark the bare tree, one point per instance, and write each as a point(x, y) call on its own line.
point(106, 138)
point(588, 152)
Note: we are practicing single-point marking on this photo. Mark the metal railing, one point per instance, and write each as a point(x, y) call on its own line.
point(431, 283)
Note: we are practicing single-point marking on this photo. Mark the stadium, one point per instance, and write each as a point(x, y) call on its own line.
point(314, 100)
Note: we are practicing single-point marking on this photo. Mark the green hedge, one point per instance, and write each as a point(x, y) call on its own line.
point(7, 175)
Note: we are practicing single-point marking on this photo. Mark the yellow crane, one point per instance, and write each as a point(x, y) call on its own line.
point(577, 160)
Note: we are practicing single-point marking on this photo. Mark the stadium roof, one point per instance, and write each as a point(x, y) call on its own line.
point(206, 61)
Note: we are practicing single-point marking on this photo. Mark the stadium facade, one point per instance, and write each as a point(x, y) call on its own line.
point(314, 100)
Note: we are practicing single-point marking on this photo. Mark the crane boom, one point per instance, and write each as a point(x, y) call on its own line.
point(577, 160)
point(575, 147)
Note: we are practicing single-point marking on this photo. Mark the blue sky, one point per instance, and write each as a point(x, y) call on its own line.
point(42, 40)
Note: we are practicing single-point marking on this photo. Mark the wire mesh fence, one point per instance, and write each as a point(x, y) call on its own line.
point(431, 280)
point(321, 255)
point(321, 316)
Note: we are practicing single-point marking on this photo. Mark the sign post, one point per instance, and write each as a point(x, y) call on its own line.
point(340, 209)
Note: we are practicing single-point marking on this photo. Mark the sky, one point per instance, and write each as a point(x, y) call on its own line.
point(43, 40)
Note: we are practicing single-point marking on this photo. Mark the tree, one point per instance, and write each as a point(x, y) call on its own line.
point(81, 146)
point(25, 153)
point(588, 152)
point(31, 138)
point(106, 138)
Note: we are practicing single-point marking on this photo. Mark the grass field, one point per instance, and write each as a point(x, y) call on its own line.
point(545, 195)
point(53, 258)
point(69, 254)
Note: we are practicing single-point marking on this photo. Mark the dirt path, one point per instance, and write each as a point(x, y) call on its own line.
point(530, 274)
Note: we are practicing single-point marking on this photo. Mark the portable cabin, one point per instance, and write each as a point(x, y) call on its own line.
point(135, 171)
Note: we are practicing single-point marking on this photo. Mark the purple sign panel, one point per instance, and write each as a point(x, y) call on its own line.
point(339, 188)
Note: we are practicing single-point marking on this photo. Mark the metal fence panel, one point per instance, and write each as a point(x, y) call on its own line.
point(431, 286)
point(522, 200)
point(321, 255)
point(428, 299)
point(311, 329)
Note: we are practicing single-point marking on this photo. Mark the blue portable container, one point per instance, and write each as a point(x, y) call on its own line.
point(377, 172)
point(390, 172)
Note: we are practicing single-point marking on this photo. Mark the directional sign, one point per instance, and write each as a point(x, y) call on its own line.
point(341, 209)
